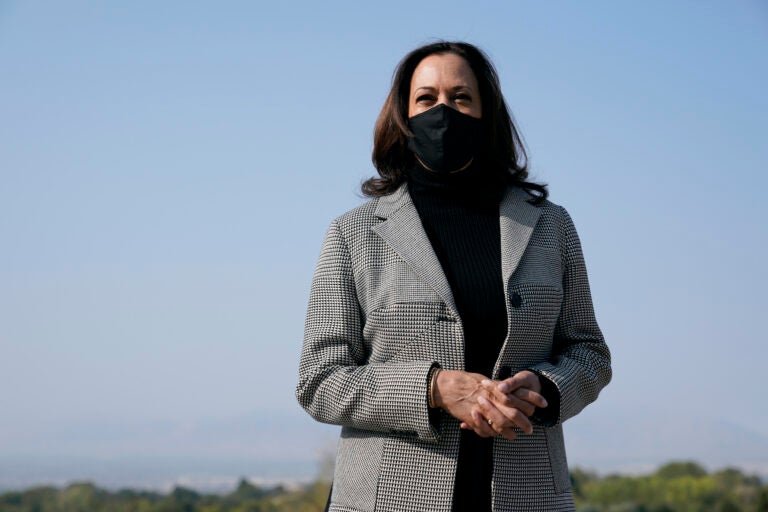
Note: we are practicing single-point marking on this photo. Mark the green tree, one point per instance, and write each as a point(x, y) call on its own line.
point(762, 502)
point(79, 497)
point(681, 468)
point(246, 491)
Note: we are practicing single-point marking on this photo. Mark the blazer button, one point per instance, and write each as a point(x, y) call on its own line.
point(516, 300)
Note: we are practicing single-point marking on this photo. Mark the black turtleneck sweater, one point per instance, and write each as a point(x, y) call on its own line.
point(460, 213)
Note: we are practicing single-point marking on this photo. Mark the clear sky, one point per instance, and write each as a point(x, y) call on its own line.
point(168, 170)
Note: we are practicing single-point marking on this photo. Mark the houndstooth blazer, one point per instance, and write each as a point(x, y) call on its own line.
point(381, 314)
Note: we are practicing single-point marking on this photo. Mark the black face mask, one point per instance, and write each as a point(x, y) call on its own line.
point(444, 139)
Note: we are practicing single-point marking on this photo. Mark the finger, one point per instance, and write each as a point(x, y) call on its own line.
point(511, 416)
point(518, 380)
point(509, 400)
point(517, 417)
point(521, 379)
point(500, 423)
point(523, 398)
point(481, 426)
point(514, 402)
point(529, 396)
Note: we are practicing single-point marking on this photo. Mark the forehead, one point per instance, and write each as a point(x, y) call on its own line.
point(443, 70)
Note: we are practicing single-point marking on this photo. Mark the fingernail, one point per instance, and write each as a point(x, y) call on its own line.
point(481, 400)
point(485, 382)
point(504, 388)
point(545, 402)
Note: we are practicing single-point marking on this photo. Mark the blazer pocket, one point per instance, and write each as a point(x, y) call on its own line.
point(379, 287)
point(536, 286)
point(540, 265)
point(401, 331)
point(536, 298)
point(557, 459)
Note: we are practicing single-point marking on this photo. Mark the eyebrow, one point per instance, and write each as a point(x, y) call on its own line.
point(455, 88)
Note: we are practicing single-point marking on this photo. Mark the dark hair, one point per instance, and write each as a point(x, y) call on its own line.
point(502, 148)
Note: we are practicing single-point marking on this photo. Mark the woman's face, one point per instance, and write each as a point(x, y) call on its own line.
point(444, 78)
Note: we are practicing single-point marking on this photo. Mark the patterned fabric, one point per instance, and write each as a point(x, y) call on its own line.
point(381, 314)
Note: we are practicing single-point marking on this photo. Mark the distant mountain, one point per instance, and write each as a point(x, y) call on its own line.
point(637, 442)
point(288, 446)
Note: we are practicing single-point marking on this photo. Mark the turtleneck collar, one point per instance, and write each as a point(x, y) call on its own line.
point(474, 186)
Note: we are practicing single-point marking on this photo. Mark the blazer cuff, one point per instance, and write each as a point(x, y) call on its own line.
point(549, 415)
point(434, 413)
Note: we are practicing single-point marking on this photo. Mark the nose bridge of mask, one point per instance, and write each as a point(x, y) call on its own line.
point(441, 109)
point(439, 129)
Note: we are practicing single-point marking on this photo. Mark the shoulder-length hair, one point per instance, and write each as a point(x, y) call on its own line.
point(502, 148)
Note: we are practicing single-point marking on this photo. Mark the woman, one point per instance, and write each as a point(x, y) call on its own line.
point(450, 328)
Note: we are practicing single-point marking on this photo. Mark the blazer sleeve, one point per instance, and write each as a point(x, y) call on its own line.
point(580, 364)
point(336, 383)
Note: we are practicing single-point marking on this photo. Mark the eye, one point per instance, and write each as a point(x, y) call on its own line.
point(462, 97)
point(425, 98)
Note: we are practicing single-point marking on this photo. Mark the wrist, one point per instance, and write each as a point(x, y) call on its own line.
point(431, 387)
point(441, 380)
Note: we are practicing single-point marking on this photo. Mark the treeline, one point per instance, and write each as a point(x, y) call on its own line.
point(675, 487)
point(85, 497)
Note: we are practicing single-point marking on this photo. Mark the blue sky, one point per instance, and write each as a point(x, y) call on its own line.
point(168, 171)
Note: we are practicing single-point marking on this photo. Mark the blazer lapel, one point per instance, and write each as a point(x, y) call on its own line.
point(403, 232)
point(517, 218)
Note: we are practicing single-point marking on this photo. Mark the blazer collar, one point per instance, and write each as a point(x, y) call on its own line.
point(389, 204)
point(403, 231)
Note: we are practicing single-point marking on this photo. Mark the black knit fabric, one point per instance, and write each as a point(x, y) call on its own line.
point(460, 213)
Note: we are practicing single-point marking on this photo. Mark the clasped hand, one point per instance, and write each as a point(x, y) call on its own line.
point(490, 407)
